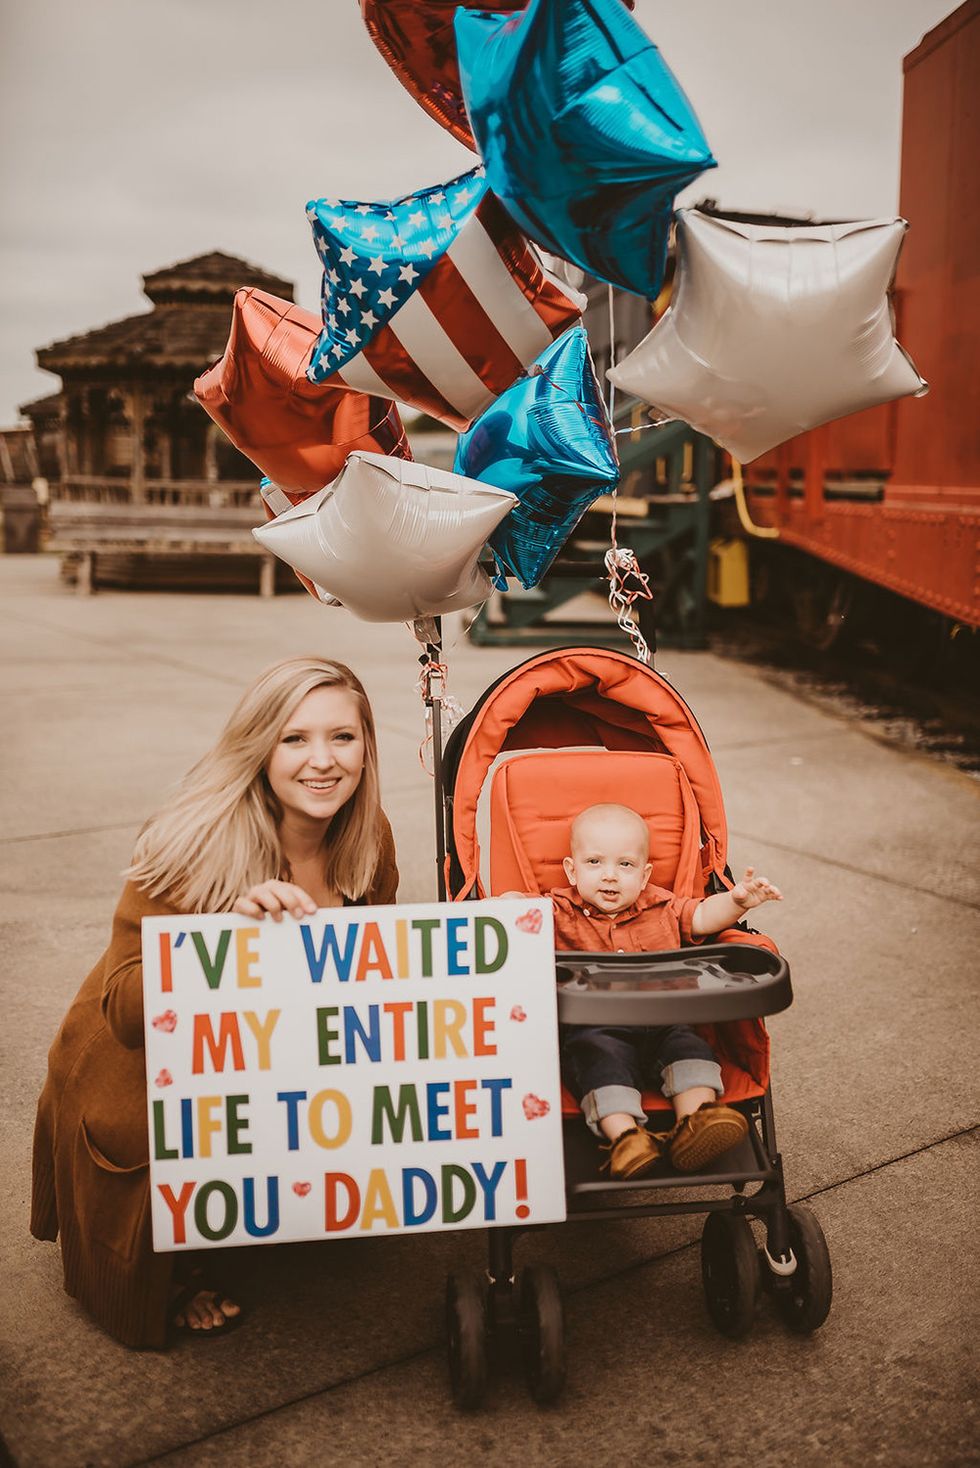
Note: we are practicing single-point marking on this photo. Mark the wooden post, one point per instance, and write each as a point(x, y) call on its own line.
point(85, 582)
point(82, 434)
point(211, 454)
point(166, 452)
point(98, 427)
point(267, 576)
point(67, 449)
point(137, 414)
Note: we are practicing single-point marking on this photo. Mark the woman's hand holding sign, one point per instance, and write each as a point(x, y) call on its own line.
point(275, 898)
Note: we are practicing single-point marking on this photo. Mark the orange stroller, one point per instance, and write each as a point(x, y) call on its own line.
point(564, 730)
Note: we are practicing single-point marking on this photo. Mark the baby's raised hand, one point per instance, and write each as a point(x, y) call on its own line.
point(753, 891)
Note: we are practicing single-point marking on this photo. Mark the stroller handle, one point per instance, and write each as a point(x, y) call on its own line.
point(709, 984)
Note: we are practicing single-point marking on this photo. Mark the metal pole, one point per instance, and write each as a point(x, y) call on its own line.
point(434, 702)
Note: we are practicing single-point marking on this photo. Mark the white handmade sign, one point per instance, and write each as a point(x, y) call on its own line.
point(365, 1071)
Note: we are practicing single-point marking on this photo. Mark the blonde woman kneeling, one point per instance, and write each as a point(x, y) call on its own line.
point(282, 815)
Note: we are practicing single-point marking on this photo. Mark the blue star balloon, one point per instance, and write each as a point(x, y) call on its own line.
point(584, 131)
point(547, 439)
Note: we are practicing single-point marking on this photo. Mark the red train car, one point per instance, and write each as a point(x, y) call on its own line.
point(892, 495)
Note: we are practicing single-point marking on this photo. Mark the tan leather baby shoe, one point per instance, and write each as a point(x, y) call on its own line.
point(701, 1137)
point(635, 1153)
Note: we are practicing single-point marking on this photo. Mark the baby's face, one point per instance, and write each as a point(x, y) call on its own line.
point(608, 863)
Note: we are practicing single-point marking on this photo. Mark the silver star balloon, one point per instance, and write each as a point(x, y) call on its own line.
point(773, 330)
point(391, 540)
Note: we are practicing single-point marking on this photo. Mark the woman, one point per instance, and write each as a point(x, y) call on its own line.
point(282, 815)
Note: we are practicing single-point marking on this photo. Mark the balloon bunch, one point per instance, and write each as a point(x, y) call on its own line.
point(444, 301)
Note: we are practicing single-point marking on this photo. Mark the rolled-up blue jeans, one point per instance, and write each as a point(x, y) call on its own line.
point(607, 1069)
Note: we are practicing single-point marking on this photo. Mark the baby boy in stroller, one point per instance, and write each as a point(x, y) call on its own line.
point(610, 904)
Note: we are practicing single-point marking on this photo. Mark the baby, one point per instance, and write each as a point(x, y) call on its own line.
point(609, 905)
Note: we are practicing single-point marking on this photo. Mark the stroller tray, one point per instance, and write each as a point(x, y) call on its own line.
point(709, 984)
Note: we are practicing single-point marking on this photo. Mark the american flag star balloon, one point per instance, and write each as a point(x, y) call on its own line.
point(436, 300)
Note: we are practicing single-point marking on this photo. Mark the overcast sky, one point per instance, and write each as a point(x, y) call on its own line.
point(135, 133)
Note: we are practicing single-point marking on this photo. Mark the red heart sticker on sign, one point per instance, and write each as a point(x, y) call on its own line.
point(167, 1021)
point(530, 921)
point(534, 1106)
point(301, 1189)
point(164, 1079)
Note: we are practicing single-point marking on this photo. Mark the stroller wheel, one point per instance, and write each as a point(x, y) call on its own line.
point(805, 1304)
point(466, 1339)
point(542, 1328)
point(729, 1272)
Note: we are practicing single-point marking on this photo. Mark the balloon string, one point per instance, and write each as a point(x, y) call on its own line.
point(611, 300)
point(637, 428)
point(431, 684)
point(627, 582)
point(611, 303)
point(621, 568)
point(433, 671)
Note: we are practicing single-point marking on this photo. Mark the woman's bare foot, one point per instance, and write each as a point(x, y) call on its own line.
point(206, 1309)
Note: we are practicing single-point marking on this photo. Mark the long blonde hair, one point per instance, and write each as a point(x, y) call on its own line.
point(219, 834)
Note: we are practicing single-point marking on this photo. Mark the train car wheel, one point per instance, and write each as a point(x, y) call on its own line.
point(822, 603)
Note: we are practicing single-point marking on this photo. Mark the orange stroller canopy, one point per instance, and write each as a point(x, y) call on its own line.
point(575, 697)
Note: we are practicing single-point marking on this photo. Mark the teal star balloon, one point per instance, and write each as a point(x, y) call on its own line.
point(547, 439)
point(586, 135)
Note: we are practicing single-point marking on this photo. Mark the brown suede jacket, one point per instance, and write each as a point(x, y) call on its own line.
point(91, 1150)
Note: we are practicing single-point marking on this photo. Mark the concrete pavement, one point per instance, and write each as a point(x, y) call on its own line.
point(108, 700)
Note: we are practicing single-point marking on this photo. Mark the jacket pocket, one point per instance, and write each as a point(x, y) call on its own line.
point(110, 1201)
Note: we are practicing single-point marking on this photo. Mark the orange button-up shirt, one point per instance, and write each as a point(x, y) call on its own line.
point(657, 920)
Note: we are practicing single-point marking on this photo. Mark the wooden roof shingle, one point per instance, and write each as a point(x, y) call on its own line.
point(187, 328)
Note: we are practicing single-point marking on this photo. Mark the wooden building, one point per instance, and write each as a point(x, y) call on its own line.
point(125, 427)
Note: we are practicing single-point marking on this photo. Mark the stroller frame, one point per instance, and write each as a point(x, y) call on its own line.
point(794, 1264)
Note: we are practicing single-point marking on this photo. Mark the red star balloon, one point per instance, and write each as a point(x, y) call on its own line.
point(416, 39)
point(297, 432)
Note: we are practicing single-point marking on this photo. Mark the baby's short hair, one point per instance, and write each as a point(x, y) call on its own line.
point(611, 811)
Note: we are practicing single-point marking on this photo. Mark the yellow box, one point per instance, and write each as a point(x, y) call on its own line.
point(728, 573)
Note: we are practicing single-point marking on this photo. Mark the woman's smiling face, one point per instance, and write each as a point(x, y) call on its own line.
point(318, 759)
